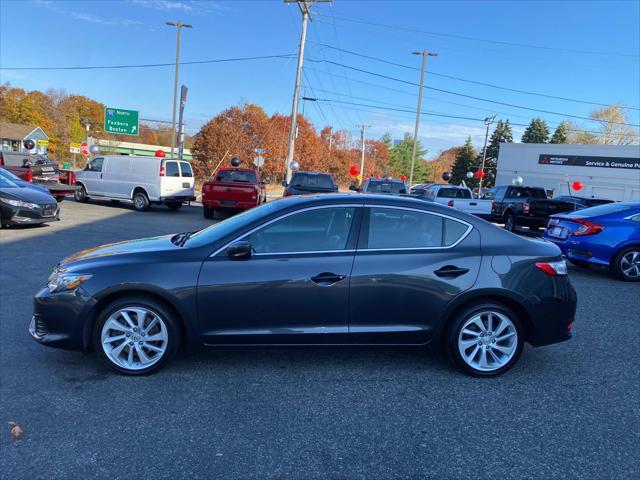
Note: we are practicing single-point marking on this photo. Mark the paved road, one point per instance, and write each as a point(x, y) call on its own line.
point(565, 411)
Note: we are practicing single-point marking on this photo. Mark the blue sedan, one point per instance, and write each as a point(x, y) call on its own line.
point(606, 235)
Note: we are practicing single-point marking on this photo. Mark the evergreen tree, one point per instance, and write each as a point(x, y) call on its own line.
point(536, 132)
point(561, 135)
point(501, 134)
point(465, 160)
point(400, 160)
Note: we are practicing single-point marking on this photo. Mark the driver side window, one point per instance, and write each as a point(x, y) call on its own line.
point(95, 165)
point(316, 230)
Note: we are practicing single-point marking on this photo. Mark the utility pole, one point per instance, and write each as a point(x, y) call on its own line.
point(179, 26)
point(487, 121)
point(424, 55)
point(306, 16)
point(362, 129)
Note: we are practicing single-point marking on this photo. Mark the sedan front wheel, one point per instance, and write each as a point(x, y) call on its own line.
point(485, 340)
point(136, 336)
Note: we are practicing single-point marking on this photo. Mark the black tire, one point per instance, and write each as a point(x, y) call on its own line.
point(621, 263)
point(208, 212)
point(141, 201)
point(456, 324)
point(578, 263)
point(80, 195)
point(59, 199)
point(174, 205)
point(174, 332)
point(510, 222)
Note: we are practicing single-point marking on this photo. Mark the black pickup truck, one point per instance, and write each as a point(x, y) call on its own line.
point(524, 206)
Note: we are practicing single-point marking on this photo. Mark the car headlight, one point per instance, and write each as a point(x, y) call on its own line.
point(60, 281)
point(19, 203)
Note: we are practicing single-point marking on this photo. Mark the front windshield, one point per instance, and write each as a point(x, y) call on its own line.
point(220, 230)
point(6, 183)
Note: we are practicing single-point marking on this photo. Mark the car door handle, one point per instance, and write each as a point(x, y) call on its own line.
point(450, 271)
point(326, 279)
point(473, 204)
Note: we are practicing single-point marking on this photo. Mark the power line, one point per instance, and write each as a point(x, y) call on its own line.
point(476, 39)
point(475, 82)
point(468, 96)
point(151, 65)
point(399, 108)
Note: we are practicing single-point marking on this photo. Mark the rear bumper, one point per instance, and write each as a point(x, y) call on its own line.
point(582, 251)
point(552, 313)
point(219, 203)
point(179, 198)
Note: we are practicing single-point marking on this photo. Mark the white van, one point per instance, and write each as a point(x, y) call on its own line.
point(141, 180)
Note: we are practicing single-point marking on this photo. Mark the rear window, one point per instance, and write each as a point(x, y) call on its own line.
point(454, 193)
point(527, 193)
point(186, 169)
point(386, 187)
point(321, 181)
point(240, 176)
point(171, 169)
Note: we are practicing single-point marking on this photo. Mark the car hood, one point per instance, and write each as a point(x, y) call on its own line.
point(142, 245)
point(30, 195)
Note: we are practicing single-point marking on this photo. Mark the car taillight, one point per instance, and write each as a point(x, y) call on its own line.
point(71, 179)
point(162, 171)
point(493, 206)
point(526, 206)
point(450, 203)
point(29, 176)
point(586, 227)
point(553, 269)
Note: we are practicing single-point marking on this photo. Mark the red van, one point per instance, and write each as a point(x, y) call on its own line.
point(233, 188)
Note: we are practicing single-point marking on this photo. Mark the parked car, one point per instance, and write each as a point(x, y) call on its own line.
point(583, 202)
point(308, 270)
point(309, 182)
point(141, 180)
point(419, 188)
point(607, 235)
point(25, 206)
point(461, 198)
point(21, 183)
point(38, 170)
point(233, 188)
point(517, 206)
point(385, 186)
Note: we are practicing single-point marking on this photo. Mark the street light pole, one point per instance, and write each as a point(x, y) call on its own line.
point(424, 55)
point(362, 129)
point(179, 26)
point(487, 121)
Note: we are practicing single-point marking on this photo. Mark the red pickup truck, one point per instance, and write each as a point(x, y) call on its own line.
point(233, 188)
point(37, 169)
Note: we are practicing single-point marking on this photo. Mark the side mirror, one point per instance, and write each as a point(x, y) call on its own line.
point(284, 183)
point(353, 188)
point(239, 251)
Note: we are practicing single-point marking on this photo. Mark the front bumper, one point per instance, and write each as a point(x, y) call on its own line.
point(62, 320)
point(12, 215)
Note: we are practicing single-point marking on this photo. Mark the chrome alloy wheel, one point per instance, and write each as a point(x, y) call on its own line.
point(134, 338)
point(630, 264)
point(487, 341)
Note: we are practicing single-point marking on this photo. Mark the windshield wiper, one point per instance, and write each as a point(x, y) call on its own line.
point(179, 239)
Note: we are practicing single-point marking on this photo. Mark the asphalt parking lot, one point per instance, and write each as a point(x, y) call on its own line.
point(570, 410)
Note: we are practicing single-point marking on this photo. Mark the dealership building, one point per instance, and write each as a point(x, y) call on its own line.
point(604, 171)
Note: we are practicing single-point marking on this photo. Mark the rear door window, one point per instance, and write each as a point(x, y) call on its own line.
point(454, 193)
point(171, 169)
point(391, 228)
point(185, 167)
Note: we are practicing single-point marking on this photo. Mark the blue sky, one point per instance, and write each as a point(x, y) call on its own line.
point(587, 51)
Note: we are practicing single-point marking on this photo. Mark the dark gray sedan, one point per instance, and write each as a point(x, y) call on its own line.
point(319, 270)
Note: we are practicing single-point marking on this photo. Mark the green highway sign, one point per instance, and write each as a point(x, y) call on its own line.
point(119, 120)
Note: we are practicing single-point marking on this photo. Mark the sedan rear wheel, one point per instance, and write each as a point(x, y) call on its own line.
point(627, 264)
point(485, 340)
point(136, 337)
